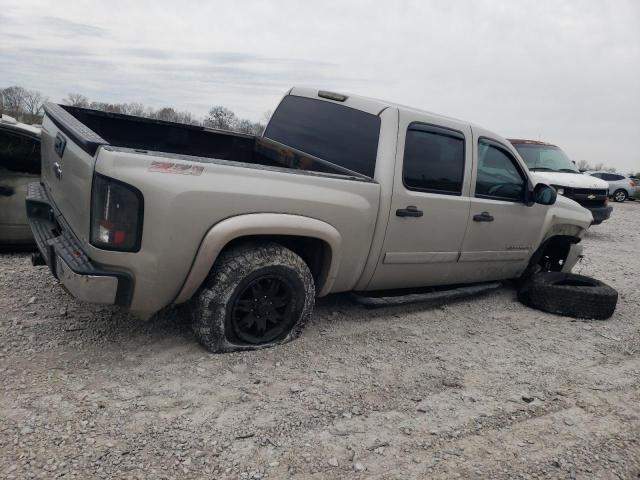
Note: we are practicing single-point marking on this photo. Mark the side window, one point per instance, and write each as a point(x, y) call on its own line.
point(617, 177)
point(607, 176)
point(597, 175)
point(498, 174)
point(19, 153)
point(433, 160)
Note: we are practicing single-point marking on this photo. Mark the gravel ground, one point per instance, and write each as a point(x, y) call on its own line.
point(479, 388)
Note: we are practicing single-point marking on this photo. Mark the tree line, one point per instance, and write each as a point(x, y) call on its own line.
point(27, 106)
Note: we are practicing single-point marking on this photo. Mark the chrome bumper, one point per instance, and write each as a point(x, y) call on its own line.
point(87, 288)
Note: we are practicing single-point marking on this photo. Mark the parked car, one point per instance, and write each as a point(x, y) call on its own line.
point(620, 187)
point(551, 165)
point(340, 193)
point(19, 166)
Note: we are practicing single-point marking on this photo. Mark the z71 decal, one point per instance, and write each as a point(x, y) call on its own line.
point(176, 168)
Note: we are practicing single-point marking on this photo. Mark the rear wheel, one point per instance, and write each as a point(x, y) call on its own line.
point(256, 296)
point(620, 195)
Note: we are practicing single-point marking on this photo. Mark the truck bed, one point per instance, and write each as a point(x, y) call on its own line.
point(96, 128)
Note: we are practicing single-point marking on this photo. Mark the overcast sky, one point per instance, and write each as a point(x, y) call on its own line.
point(564, 72)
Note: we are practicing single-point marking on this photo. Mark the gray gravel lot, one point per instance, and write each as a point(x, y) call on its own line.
point(480, 388)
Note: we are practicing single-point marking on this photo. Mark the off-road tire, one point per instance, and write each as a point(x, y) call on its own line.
point(212, 307)
point(620, 195)
point(569, 294)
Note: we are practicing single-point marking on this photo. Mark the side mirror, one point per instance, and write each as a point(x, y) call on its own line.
point(544, 194)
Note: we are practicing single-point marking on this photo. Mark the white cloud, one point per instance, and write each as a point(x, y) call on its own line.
point(566, 72)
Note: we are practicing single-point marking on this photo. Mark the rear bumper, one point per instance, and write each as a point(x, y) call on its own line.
point(62, 252)
point(600, 214)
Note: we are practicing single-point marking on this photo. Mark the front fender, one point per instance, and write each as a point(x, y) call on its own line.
point(252, 224)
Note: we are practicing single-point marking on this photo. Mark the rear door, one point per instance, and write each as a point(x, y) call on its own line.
point(429, 206)
point(503, 230)
point(19, 165)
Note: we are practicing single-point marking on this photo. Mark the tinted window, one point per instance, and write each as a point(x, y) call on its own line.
point(335, 133)
point(19, 153)
point(610, 177)
point(433, 161)
point(498, 175)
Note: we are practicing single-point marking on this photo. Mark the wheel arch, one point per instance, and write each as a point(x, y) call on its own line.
point(301, 234)
point(558, 247)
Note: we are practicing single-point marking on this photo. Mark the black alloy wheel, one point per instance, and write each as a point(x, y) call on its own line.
point(262, 311)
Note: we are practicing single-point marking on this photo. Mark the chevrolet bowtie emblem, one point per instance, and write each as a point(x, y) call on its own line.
point(591, 196)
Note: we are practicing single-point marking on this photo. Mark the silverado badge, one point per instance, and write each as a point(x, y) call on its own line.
point(591, 196)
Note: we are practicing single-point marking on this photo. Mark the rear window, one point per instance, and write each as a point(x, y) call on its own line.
point(341, 135)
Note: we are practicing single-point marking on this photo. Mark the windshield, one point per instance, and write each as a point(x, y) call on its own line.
point(545, 158)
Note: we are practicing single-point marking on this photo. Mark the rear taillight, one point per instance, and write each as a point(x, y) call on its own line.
point(632, 183)
point(116, 215)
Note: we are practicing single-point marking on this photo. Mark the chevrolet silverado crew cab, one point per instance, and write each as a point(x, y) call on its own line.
point(551, 165)
point(340, 193)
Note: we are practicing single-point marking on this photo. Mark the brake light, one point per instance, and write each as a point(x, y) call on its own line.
point(116, 215)
point(632, 183)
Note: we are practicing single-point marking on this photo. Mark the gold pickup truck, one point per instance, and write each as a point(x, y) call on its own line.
point(340, 193)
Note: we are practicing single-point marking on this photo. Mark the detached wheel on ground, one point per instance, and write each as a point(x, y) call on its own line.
point(256, 296)
point(569, 294)
point(620, 195)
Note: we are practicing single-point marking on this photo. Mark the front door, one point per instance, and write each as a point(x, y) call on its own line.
point(429, 207)
point(503, 230)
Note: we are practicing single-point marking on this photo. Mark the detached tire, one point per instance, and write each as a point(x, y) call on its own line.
point(256, 296)
point(569, 294)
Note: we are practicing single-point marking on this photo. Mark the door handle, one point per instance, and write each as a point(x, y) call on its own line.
point(410, 211)
point(483, 217)
point(57, 170)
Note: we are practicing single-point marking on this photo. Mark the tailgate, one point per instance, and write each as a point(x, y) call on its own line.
point(68, 159)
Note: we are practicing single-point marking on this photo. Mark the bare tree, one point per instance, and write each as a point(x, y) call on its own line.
point(25, 105)
point(76, 100)
point(13, 101)
point(598, 166)
point(583, 165)
point(188, 118)
point(33, 106)
point(166, 113)
point(221, 118)
point(137, 109)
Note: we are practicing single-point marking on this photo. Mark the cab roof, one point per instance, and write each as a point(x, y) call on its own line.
point(370, 105)
point(376, 106)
